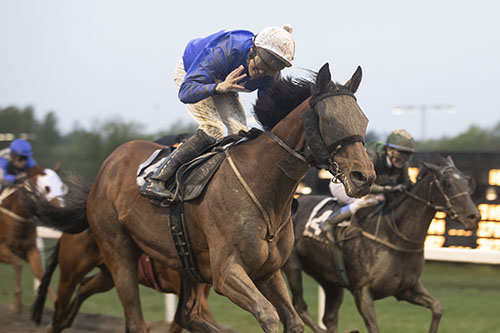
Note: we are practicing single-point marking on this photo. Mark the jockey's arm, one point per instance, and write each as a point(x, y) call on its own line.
point(386, 188)
point(200, 80)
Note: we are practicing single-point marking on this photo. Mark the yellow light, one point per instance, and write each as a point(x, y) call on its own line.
point(494, 177)
point(303, 189)
point(433, 242)
point(460, 232)
point(324, 174)
point(488, 229)
point(437, 227)
point(413, 174)
point(489, 212)
point(488, 244)
point(491, 194)
point(440, 215)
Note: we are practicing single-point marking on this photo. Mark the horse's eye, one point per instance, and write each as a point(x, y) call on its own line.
point(47, 189)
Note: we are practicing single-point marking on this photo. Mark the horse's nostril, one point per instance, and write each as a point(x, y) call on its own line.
point(357, 177)
point(474, 217)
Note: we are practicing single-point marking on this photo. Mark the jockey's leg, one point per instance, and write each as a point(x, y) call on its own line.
point(231, 112)
point(154, 187)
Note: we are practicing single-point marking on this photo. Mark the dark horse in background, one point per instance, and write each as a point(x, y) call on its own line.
point(382, 252)
point(18, 230)
point(240, 227)
point(78, 254)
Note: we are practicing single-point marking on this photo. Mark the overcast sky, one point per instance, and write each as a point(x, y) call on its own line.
point(95, 60)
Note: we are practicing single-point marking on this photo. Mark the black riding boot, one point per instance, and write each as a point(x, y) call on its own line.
point(338, 216)
point(154, 187)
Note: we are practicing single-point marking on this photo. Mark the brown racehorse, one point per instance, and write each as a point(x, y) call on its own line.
point(383, 254)
point(17, 229)
point(240, 226)
point(76, 255)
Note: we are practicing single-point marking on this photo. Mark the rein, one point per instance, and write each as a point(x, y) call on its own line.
point(6, 193)
point(394, 227)
point(449, 210)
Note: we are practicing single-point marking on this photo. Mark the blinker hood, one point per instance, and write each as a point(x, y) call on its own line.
point(330, 124)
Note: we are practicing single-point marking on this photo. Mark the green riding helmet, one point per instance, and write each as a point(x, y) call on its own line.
point(401, 140)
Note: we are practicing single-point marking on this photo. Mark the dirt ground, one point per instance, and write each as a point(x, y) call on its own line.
point(84, 323)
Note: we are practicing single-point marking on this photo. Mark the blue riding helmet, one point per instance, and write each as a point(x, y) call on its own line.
point(20, 147)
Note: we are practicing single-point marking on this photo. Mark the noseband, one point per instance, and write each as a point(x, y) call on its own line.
point(449, 209)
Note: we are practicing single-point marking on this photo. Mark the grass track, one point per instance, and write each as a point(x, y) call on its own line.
point(470, 295)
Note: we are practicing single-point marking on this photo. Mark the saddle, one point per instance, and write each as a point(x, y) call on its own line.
point(192, 177)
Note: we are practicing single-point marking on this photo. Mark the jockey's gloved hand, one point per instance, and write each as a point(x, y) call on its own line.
point(399, 187)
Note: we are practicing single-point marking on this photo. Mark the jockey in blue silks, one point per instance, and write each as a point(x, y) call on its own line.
point(209, 76)
point(15, 162)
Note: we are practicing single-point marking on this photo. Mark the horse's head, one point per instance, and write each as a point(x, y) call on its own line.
point(335, 128)
point(450, 192)
point(48, 184)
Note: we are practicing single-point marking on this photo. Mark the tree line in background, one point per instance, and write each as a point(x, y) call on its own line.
point(82, 151)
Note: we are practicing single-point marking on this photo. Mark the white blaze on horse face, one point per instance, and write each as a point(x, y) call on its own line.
point(50, 185)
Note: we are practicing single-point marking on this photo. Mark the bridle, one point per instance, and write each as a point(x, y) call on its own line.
point(316, 151)
point(448, 209)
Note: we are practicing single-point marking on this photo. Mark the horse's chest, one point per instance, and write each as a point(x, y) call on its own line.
point(394, 277)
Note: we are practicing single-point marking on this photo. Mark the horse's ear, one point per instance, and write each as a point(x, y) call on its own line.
point(450, 161)
point(322, 80)
point(355, 80)
point(430, 166)
point(57, 167)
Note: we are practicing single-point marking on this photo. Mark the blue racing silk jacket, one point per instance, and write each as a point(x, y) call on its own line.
point(7, 170)
point(209, 60)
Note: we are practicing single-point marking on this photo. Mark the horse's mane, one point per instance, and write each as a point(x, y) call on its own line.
point(282, 98)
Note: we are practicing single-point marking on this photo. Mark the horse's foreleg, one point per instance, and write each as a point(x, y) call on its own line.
point(190, 309)
point(364, 303)
point(17, 263)
point(333, 300)
point(276, 292)
point(8, 257)
point(233, 282)
point(293, 271)
point(420, 296)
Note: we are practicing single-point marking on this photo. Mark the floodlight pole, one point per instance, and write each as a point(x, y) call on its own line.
point(423, 113)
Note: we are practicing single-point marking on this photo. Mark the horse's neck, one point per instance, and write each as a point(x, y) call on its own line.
point(264, 161)
point(412, 216)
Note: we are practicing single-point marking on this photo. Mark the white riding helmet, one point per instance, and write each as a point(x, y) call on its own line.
point(277, 41)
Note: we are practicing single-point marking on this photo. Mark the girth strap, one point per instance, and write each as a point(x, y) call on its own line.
point(181, 242)
point(388, 244)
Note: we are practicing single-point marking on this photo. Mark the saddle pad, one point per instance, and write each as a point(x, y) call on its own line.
point(320, 213)
point(151, 164)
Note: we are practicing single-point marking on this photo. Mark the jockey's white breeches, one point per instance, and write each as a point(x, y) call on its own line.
point(215, 112)
point(337, 191)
